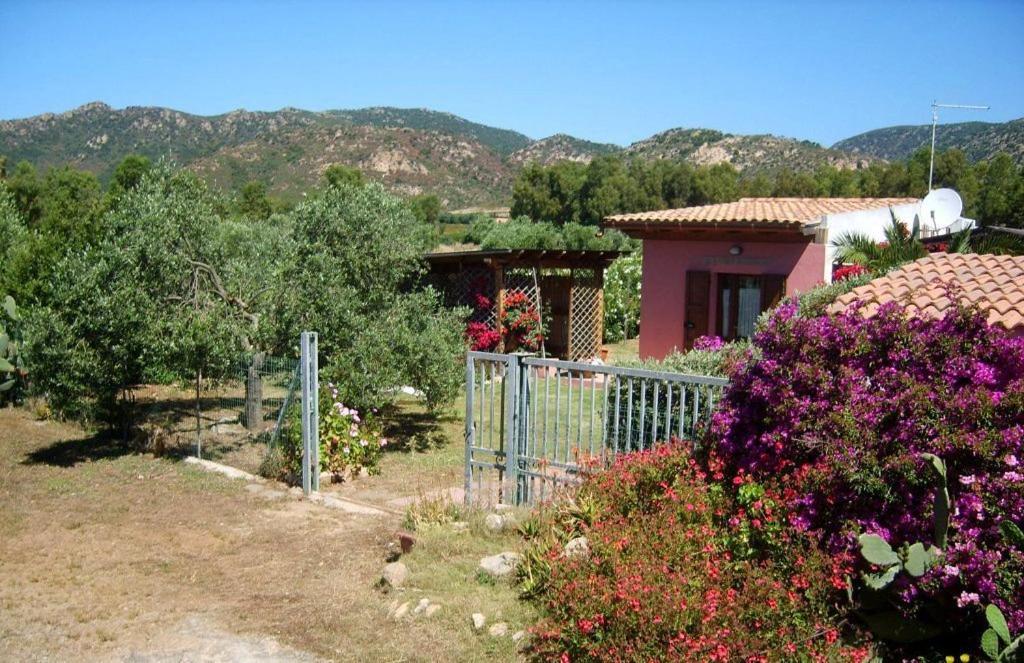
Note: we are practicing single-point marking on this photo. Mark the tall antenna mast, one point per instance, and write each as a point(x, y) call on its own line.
point(935, 120)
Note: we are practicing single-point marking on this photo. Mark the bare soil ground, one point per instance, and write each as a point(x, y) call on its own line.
point(113, 555)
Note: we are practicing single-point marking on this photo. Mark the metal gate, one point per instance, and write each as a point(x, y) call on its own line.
point(534, 425)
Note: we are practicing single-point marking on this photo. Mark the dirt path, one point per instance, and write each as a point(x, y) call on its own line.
point(124, 557)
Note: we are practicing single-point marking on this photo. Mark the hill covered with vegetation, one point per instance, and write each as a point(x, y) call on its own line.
point(978, 140)
point(749, 153)
point(418, 151)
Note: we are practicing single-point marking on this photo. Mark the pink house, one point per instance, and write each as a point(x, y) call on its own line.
point(711, 270)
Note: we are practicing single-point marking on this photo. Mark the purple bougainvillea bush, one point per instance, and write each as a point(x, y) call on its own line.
point(839, 410)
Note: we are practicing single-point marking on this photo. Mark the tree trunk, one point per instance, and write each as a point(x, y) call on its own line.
point(254, 393)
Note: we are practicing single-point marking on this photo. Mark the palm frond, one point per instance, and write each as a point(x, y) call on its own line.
point(856, 248)
point(961, 242)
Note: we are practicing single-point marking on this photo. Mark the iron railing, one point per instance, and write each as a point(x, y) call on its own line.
point(533, 425)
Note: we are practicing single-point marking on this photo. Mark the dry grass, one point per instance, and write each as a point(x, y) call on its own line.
point(107, 553)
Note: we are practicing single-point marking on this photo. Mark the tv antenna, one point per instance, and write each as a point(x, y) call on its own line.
point(935, 120)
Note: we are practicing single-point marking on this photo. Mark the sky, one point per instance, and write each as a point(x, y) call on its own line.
point(609, 72)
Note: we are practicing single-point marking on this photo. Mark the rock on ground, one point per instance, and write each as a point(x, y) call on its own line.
point(401, 611)
point(500, 565)
point(498, 630)
point(578, 547)
point(478, 621)
point(494, 522)
point(395, 574)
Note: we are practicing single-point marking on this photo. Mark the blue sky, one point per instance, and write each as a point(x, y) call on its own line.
point(614, 72)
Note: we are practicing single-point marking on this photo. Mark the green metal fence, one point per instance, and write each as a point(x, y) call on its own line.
point(534, 425)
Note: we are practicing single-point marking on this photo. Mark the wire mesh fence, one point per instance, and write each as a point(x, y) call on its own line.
point(235, 420)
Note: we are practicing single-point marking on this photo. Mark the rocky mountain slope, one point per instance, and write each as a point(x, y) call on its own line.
point(978, 140)
point(753, 153)
point(561, 147)
point(411, 151)
point(417, 150)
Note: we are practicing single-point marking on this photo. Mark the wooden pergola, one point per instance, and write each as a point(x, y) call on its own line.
point(566, 286)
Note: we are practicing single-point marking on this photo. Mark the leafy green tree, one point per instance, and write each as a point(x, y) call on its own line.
point(13, 237)
point(355, 279)
point(128, 175)
point(132, 303)
point(339, 174)
point(26, 187)
point(792, 183)
point(549, 193)
point(427, 208)
point(759, 186)
point(715, 184)
point(1001, 194)
point(253, 202)
point(67, 206)
point(71, 205)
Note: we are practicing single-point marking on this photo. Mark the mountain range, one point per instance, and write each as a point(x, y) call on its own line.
point(415, 151)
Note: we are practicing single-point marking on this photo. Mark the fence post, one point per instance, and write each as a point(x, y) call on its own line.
point(512, 427)
point(470, 428)
point(310, 413)
point(522, 495)
point(314, 415)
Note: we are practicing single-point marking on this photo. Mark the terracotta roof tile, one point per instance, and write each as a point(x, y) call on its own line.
point(773, 212)
point(994, 283)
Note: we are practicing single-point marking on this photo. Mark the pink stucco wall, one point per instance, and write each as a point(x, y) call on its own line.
point(665, 263)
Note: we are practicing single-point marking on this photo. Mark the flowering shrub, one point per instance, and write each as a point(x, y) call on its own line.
point(846, 271)
point(520, 323)
point(622, 298)
point(482, 336)
point(837, 412)
point(349, 442)
point(521, 327)
point(679, 569)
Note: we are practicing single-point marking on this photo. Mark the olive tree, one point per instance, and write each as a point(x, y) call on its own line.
point(145, 300)
point(356, 278)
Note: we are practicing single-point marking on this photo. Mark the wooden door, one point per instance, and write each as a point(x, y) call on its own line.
point(698, 294)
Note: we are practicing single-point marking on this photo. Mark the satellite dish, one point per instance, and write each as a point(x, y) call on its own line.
point(940, 209)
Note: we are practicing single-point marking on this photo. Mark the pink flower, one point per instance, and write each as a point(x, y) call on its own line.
point(967, 598)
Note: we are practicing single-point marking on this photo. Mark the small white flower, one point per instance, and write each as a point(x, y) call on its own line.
point(951, 570)
point(967, 479)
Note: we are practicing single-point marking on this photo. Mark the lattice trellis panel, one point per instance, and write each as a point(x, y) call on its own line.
point(586, 315)
point(460, 289)
point(522, 280)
